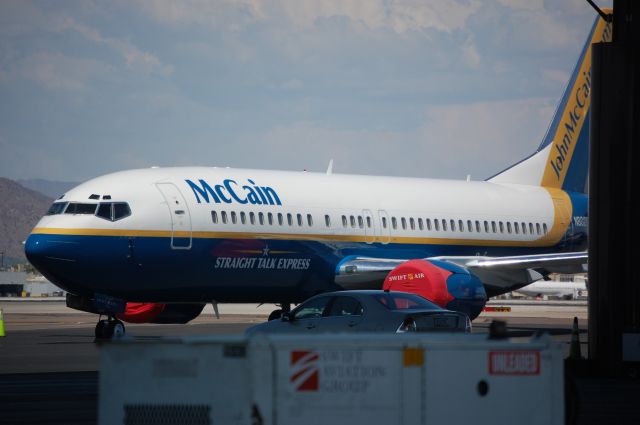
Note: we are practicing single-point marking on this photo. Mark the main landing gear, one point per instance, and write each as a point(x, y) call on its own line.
point(110, 328)
point(276, 314)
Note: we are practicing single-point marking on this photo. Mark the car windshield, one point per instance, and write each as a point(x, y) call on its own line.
point(312, 308)
point(403, 301)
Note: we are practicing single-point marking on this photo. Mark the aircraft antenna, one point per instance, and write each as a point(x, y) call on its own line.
point(330, 167)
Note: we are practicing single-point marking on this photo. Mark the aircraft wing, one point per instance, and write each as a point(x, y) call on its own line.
point(498, 274)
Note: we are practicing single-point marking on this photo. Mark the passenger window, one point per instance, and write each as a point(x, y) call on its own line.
point(104, 211)
point(234, 218)
point(78, 208)
point(360, 222)
point(531, 228)
point(299, 217)
point(412, 223)
point(524, 228)
point(470, 225)
point(444, 225)
point(309, 220)
point(120, 210)
point(344, 221)
point(477, 226)
point(243, 218)
point(280, 219)
point(544, 228)
point(327, 220)
point(538, 227)
point(420, 224)
point(516, 228)
point(261, 218)
point(368, 222)
point(384, 222)
point(494, 229)
point(58, 208)
point(404, 223)
point(509, 227)
point(252, 217)
point(394, 223)
point(223, 214)
point(214, 215)
point(428, 224)
point(289, 219)
point(486, 227)
point(436, 223)
point(461, 225)
point(310, 309)
point(345, 306)
point(270, 218)
point(501, 227)
point(453, 225)
point(352, 219)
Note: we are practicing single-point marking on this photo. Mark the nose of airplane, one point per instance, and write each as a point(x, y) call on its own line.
point(34, 250)
point(50, 257)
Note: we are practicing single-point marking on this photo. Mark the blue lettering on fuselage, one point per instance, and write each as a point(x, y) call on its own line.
point(231, 191)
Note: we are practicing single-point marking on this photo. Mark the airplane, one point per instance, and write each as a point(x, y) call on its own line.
point(555, 288)
point(156, 245)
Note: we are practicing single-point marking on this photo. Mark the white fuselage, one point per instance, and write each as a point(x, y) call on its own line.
point(233, 234)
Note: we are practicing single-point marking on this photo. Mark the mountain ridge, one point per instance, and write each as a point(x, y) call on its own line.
point(20, 210)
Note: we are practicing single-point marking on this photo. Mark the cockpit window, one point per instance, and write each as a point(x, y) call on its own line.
point(120, 210)
point(57, 208)
point(113, 211)
point(78, 208)
point(104, 211)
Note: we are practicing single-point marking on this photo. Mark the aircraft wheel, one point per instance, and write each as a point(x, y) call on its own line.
point(275, 315)
point(116, 329)
point(101, 331)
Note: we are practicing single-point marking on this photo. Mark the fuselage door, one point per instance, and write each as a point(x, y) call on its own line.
point(369, 226)
point(181, 232)
point(385, 232)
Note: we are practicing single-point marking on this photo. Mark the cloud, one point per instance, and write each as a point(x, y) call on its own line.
point(486, 136)
point(407, 87)
point(470, 53)
point(56, 71)
point(133, 57)
point(523, 4)
point(452, 141)
point(400, 16)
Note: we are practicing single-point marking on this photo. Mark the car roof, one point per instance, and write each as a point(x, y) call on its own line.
point(363, 292)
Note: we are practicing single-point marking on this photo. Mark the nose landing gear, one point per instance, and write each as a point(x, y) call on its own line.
point(110, 328)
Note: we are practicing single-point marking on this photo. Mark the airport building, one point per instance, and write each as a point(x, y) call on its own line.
point(23, 284)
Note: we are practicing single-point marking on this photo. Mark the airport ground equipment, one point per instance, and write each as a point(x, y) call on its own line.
point(332, 378)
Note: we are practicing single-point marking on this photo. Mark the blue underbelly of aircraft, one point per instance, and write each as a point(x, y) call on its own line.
point(159, 269)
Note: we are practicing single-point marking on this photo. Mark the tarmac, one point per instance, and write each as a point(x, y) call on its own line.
point(49, 360)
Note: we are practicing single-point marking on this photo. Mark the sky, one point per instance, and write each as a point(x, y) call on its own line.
point(436, 88)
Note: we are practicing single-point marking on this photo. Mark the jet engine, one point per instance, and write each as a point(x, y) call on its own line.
point(443, 283)
point(160, 313)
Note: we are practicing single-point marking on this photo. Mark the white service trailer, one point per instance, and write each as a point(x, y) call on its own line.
point(332, 378)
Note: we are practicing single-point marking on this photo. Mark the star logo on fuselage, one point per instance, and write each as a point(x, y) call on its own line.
point(265, 251)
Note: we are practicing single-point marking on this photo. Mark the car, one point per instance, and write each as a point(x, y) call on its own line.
point(366, 311)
